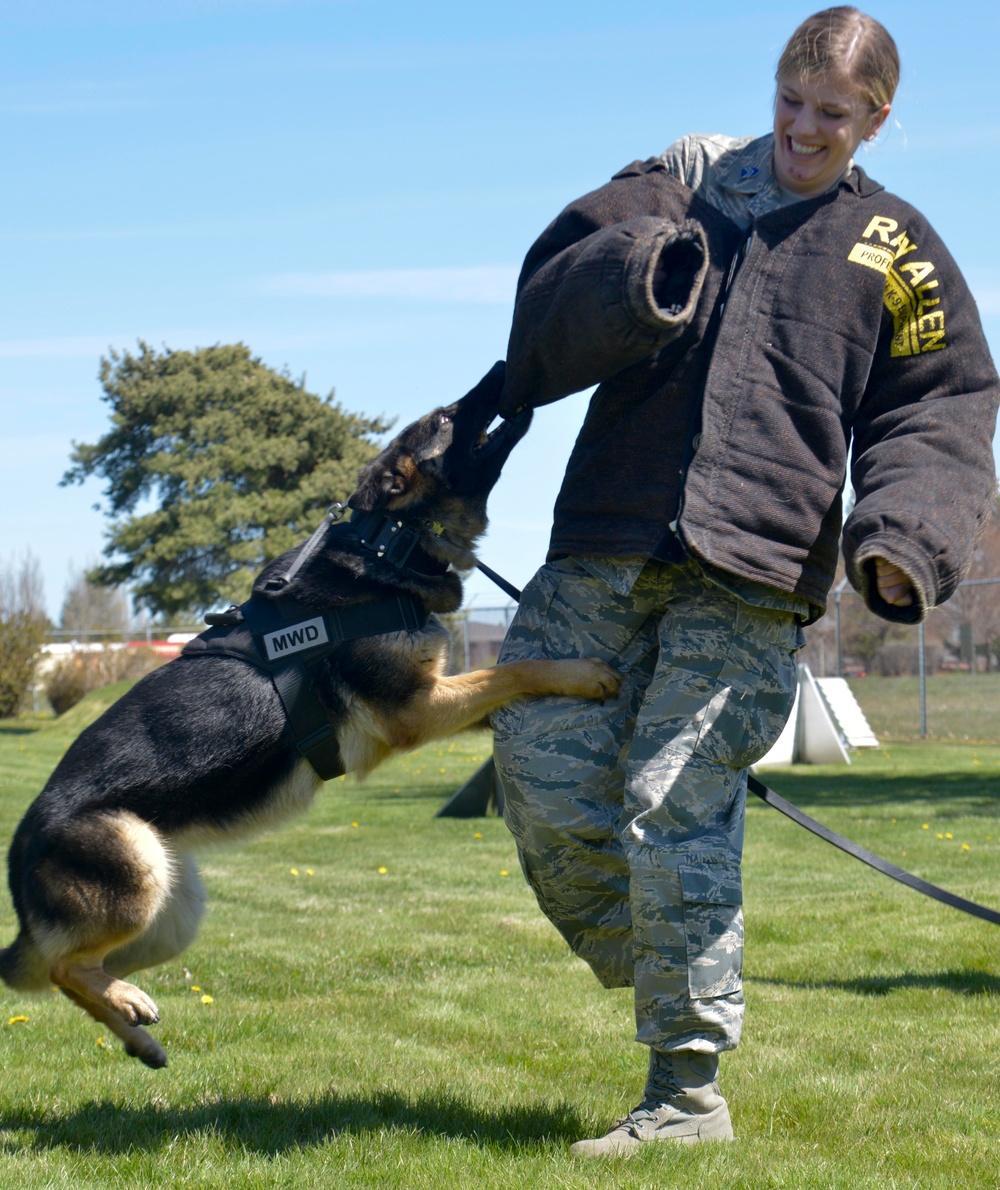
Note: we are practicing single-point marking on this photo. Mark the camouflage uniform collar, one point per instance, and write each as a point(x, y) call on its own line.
point(750, 172)
point(749, 169)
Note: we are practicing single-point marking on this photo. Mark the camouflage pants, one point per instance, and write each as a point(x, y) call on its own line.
point(628, 816)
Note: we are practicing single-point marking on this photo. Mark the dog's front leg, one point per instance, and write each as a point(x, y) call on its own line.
point(453, 703)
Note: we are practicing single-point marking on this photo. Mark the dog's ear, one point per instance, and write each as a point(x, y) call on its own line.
point(384, 483)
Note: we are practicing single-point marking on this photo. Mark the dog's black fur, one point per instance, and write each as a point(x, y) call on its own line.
point(200, 750)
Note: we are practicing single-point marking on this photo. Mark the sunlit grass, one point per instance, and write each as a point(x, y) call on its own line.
point(372, 1002)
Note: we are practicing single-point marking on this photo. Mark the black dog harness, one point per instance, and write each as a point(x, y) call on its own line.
point(289, 641)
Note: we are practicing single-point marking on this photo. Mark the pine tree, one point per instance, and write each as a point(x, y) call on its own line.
point(238, 461)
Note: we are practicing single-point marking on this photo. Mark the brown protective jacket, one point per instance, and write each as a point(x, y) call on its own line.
point(727, 417)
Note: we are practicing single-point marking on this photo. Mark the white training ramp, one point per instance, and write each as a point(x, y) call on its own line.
point(825, 722)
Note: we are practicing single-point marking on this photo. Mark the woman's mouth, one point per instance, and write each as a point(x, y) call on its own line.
point(798, 149)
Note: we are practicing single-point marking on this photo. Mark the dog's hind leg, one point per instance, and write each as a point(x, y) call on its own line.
point(105, 881)
point(173, 929)
point(84, 976)
point(138, 1043)
point(170, 932)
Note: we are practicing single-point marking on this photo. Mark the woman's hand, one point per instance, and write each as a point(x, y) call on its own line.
point(893, 584)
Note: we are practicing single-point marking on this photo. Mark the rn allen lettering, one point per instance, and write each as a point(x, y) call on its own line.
point(910, 297)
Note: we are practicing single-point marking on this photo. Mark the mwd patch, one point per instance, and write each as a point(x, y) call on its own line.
point(295, 638)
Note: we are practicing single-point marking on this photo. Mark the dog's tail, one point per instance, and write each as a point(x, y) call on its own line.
point(23, 967)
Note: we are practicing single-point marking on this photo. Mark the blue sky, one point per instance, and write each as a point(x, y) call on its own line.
point(349, 188)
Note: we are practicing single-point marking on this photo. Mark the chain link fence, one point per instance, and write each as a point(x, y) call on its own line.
point(936, 680)
point(918, 676)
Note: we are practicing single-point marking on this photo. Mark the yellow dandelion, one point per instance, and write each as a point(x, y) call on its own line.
point(206, 1000)
point(940, 836)
point(478, 835)
point(17, 1020)
point(948, 835)
point(504, 872)
point(926, 826)
point(195, 988)
point(310, 872)
point(894, 820)
point(382, 871)
point(294, 871)
point(965, 846)
point(354, 824)
point(100, 1042)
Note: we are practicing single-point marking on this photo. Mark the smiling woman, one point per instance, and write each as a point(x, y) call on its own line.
point(818, 126)
point(836, 81)
point(753, 310)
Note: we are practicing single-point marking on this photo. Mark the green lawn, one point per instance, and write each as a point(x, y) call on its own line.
point(423, 1026)
point(960, 706)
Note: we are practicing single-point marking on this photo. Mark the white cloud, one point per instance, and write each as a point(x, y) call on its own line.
point(482, 285)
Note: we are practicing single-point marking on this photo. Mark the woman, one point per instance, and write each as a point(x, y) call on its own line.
point(751, 310)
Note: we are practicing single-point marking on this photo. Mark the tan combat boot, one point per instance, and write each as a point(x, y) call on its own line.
point(681, 1102)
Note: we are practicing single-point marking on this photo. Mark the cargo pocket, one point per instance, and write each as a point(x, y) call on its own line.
point(713, 925)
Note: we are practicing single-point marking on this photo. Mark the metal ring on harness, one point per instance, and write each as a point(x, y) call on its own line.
point(333, 514)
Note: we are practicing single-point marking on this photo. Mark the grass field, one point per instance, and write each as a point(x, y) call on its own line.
point(961, 707)
point(387, 1007)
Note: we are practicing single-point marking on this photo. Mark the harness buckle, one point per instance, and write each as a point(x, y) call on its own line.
point(232, 616)
point(394, 542)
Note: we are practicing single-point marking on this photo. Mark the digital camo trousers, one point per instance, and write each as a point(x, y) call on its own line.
point(628, 816)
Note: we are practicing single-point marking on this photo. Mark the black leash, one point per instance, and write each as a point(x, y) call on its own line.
point(501, 582)
point(776, 802)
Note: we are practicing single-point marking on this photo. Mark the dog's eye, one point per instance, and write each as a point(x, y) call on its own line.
point(444, 419)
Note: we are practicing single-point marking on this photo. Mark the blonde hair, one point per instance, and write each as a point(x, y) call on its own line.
point(844, 39)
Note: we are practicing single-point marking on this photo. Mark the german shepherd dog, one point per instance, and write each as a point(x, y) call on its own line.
point(201, 749)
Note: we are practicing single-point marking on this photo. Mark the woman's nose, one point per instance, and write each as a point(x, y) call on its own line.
point(805, 122)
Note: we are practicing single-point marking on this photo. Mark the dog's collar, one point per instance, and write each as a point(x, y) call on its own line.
point(386, 536)
point(397, 542)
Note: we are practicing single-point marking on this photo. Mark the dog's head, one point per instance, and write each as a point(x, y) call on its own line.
point(441, 469)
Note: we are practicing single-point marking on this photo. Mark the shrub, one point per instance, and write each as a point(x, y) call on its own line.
point(73, 677)
point(22, 629)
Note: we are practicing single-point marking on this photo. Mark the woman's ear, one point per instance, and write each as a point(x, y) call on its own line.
point(879, 117)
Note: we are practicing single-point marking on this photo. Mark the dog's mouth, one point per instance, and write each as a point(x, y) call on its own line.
point(492, 440)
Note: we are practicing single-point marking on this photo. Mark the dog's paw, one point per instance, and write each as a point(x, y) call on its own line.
point(132, 1004)
point(143, 1047)
point(587, 678)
